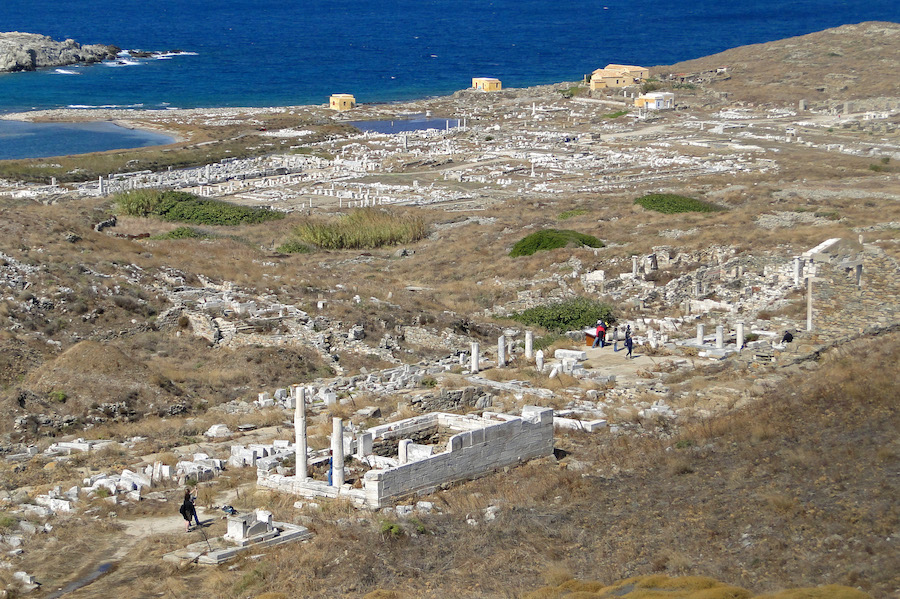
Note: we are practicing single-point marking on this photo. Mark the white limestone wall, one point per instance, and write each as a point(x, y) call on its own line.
point(403, 428)
point(469, 454)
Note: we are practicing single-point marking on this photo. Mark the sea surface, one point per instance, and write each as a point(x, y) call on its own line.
point(38, 140)
point(288, 52)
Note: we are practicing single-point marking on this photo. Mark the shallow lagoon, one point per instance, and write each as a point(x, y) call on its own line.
point(19, 139)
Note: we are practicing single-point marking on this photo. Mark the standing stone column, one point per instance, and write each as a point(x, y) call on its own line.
point(473, 367)
point(529, 345)
point(720, 337)
point(501, 351)
point(403, 451)
point(634, 266)
point(102, 187)
point(700, 333)
point(364, 445)
point(798, 270)
point(809, 311)
point(539, 360)
point(739, 342)
point(300, 430)
point(337, 453)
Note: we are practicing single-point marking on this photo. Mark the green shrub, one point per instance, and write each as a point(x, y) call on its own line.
point(8, 521)
point(391, 529)
point(363, 228)
point(572, 213)
point(181, 233)
point(178, 206)
point(551, 239)
point(294, 247)
point(568, 315)
point(670, 203)
point(58, 396)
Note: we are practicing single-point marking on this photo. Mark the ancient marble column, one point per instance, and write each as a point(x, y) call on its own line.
point(300, 430)
point(337, 453)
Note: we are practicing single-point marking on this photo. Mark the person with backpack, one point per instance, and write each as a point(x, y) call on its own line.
point(629, 342)
point(601, 335)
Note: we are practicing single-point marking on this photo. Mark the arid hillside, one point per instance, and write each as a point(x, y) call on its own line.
point(159, 323)
point(852, 62)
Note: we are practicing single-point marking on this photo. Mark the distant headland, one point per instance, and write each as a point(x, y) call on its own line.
point(31, 51)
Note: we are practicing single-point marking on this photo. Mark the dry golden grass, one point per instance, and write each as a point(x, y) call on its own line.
point(687, 587)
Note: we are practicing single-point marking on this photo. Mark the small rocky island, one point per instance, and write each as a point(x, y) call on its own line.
point(31, 51)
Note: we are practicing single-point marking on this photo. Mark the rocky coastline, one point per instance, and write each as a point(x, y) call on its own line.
point(31, 51)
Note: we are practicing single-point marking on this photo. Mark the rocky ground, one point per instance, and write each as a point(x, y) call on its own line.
point(769, 467)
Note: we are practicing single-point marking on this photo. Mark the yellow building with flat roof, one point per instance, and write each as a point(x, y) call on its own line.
point(342, 102)
point(487, 84)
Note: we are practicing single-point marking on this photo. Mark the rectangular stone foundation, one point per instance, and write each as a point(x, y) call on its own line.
point(482, 445)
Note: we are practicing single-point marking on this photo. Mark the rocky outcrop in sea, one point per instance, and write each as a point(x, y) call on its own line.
point(30, 51)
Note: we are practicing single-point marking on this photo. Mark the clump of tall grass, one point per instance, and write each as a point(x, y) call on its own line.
point(179, 206)
point(363, 228)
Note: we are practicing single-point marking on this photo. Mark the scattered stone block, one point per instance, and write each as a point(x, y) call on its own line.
point(219, 430)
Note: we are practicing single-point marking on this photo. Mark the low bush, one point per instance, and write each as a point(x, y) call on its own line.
point(568, 315)
point(294, 247)
point(181, 233)
point(572, 213)
point(363, 228)
point(551, 239)
point(670, 203)
point(179, 206)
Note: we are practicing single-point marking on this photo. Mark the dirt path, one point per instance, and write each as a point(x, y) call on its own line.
point(625, 369)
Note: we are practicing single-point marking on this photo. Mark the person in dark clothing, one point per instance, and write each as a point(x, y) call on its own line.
point(787, 337)
point(188, 511)
point(629, 344)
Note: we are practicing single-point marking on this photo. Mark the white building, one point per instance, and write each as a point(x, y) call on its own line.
point(656, 101)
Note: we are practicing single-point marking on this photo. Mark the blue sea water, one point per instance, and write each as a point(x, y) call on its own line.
point(37, 140)
point(285, 52)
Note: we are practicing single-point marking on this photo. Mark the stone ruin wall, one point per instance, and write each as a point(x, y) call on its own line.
point(469, 454)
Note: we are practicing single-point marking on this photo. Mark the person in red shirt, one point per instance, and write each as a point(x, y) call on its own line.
point(601, 335)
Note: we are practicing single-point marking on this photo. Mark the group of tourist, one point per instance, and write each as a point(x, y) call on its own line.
point(600, 337)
